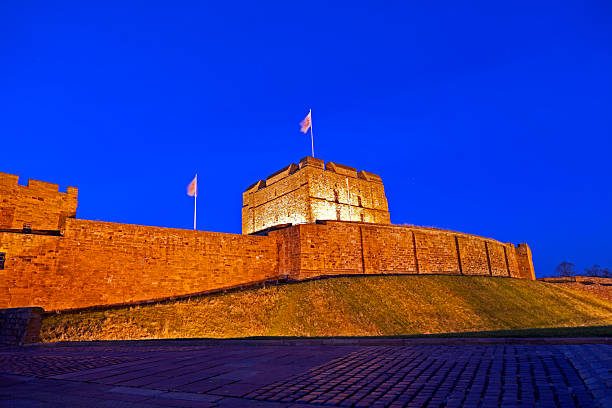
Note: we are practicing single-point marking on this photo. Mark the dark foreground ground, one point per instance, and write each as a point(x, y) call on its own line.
point(393, 373)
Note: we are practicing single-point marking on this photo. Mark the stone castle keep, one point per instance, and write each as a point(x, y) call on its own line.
point(304, 221)
point(314, 192)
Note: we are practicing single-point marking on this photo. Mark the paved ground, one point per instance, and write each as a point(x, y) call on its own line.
point(179, 374)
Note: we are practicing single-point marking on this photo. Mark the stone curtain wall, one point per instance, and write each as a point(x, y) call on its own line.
point(314, 191)
point(30, 266)
point(338, 248)
point(100, 263)
point(39, 204)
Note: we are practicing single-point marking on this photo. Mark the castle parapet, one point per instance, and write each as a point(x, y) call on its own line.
point(255, 186)
point(281, 174)
point(8, 179)
point(309, 161)
point(341, 169)
point(39, 205)
point(366, 175)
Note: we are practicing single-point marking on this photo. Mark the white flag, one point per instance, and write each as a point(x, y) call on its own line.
point(192, 188)
point(306, 123)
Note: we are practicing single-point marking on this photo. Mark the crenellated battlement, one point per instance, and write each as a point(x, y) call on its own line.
point(12, 180)
point(38, 205)
point(312, 162)
point(8, 179)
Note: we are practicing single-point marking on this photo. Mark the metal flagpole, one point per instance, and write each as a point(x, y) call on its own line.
point(195, 201)
point(311, 137)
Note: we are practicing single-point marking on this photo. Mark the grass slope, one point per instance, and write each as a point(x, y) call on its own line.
point(352, 306)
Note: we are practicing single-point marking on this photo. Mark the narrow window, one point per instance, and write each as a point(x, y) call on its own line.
point(336, 198)
point(338, 214)
point(359, 202)
point(362, 219)
point(2, 259)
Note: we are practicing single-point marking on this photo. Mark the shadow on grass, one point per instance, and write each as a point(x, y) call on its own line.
point(553, 335)
point(582, 331)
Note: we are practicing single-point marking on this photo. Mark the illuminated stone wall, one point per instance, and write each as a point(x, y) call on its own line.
point(524, 261)
point(313, 191)
point(102, 263)
point(339, 248)
point(39, 204)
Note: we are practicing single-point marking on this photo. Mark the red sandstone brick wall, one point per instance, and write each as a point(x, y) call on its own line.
point(524, 261)
point(389, 252)
point(38, 204)
point(31, 262)
point(337, 248)
point(436, 252)
point(99, 263)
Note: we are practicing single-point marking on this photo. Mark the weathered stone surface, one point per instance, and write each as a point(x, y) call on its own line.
point(313, 192)
point(39, 205)
point(338, 248)
point(20, 326)
point(102, 263)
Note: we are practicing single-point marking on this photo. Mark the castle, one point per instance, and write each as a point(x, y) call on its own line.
point(314, 192)
point(307, 220)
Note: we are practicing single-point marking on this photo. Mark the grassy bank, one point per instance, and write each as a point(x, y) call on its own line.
point(356, 306)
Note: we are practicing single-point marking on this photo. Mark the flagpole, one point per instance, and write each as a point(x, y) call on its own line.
point(311, 136)
point(195, 201)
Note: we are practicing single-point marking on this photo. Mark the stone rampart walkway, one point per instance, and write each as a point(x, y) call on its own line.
point(192, 374)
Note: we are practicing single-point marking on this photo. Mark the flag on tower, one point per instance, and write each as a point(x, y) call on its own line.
point(192, 188)
point(306, 123)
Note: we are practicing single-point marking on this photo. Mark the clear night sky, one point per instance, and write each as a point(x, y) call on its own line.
point(486, 118)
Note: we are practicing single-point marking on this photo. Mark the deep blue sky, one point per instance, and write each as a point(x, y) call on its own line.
point(492, 118)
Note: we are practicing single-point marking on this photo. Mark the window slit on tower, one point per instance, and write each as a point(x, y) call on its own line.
point(2, 259)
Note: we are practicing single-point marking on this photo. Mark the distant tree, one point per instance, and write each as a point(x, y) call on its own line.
point(594, 270)
point(565, 269)
point(598, 271)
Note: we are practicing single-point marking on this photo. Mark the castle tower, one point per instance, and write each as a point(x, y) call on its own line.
point(311, 191)
point(37, 206)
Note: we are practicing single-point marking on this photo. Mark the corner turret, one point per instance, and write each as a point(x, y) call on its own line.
point(37, 206)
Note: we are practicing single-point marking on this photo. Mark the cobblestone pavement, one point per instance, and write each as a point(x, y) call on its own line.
point(175, 375)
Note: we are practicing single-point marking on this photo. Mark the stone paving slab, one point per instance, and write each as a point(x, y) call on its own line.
point(176, 374)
